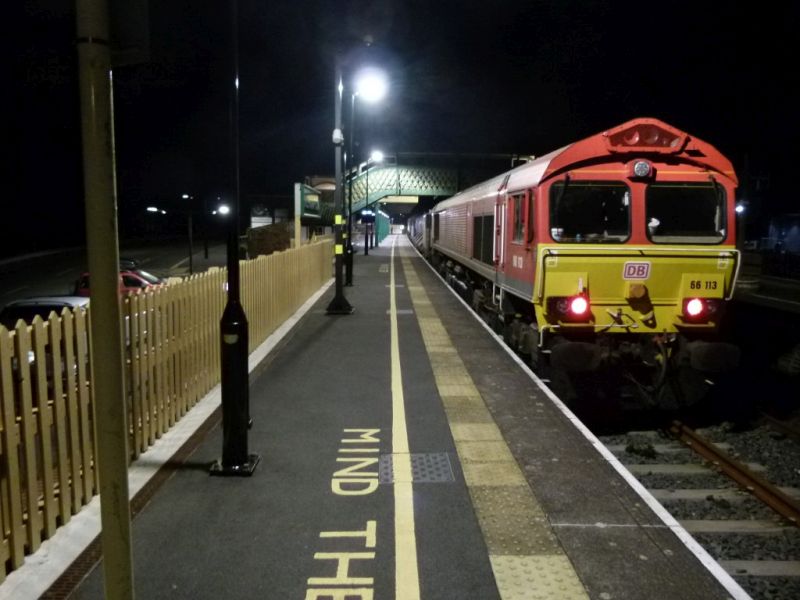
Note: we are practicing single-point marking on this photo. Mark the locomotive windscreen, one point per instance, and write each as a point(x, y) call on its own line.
point(589, 211)
point(685, 213)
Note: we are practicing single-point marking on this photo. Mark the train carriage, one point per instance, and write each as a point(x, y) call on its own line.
point(615, 253)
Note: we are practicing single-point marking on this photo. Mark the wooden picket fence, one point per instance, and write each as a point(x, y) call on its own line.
point(172, 357)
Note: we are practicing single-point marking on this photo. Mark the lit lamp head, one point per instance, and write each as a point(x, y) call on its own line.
point(371, 84)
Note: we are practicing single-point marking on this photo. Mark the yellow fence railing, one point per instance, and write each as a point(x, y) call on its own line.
point(172, 354)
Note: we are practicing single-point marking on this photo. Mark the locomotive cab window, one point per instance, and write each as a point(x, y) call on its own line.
point(589, 211)
point(688, 213)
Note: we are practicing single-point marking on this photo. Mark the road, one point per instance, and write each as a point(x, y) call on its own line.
point(54, 273)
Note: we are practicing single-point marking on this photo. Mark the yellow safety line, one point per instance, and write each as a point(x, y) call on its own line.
point(405, 544)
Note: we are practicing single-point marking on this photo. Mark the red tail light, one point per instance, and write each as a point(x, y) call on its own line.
point(579, 306)
point(699, 309)
point(694, 307)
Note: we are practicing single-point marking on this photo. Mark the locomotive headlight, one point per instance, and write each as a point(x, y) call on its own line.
point(642, 168)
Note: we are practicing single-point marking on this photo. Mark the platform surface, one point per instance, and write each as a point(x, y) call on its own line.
point(404, 454)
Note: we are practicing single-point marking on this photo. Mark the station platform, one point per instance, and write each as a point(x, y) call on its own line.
point(405, 453)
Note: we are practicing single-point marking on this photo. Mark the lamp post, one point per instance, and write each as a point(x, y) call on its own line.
point(375, 157)
point(234, 336)
point(205, 227)
point(339, 305)
point(189, 223)
point(369, 84)
point(348, 264)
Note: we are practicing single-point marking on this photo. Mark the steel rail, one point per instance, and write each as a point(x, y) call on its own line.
point(753, 483)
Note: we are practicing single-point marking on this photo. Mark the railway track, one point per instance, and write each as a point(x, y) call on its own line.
point(738, 494)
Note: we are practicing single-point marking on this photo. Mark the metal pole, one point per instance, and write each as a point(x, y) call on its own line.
point(191, 243)
point(235, 461)
point(339, 305)
point(205, 227)
point(97, 128)
point(366, 207)
point(348, 277)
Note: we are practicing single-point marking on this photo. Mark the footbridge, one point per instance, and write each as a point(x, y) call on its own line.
point(399, 184)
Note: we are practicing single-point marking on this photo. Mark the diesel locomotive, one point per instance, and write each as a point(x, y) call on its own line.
point(608, 260)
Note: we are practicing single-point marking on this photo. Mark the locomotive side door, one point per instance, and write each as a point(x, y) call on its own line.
point(519, 256)
point(500, 228)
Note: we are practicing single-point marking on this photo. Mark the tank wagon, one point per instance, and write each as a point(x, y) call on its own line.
point(612, 256)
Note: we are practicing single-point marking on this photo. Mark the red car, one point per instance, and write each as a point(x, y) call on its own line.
point(130, 280)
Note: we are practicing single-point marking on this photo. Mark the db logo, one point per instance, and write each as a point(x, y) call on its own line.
point(636, 270)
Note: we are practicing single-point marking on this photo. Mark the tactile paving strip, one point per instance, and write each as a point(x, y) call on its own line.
point(527, 560)
point(425, 468)
point(536, 578)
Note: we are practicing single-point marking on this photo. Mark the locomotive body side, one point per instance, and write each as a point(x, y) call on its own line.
point(616, 252)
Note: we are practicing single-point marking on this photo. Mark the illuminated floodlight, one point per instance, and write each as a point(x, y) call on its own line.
point(152, 209)
point(371, 84)
point(223, 209)
point(739, 209)
point(185, 196)
point(376, 156)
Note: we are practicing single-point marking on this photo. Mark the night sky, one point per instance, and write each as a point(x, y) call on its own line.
point(466, 77)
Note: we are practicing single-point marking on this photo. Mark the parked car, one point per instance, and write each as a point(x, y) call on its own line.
point(130, 280)
point(28, 308)
point(128, 263)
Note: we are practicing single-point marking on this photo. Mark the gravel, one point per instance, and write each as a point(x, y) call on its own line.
point(713, 508)
point(779, 454)
point(771, 588)
point(776, 546)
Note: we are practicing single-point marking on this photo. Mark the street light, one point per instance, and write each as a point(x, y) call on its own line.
point(339, 305)
point(371, 85)
point(189, 222)
point(234, 330)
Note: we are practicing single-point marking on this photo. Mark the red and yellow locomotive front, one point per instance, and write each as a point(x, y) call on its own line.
point(615, 254)
point(639, 223)
point(634, 233)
